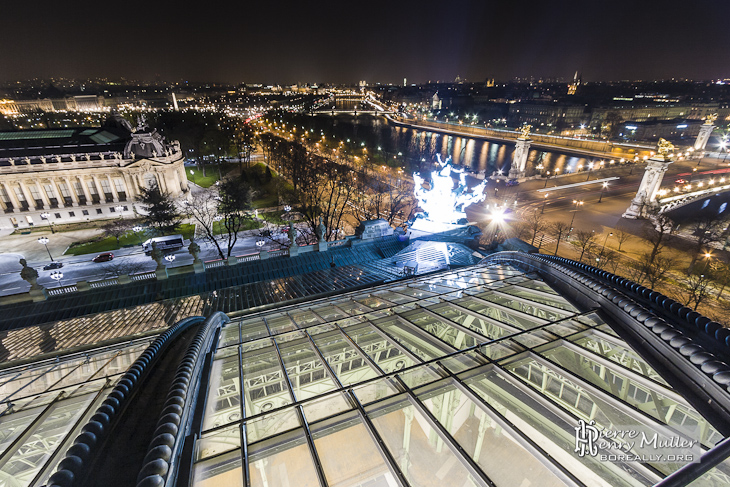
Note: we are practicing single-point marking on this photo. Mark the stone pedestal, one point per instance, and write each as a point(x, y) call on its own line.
point(232, 260)
point(519, 158)
point(321, 246)
point(293, 251)
point(161, 273)
point(703, 136)
point(38, 294)
point(645, 199)
point(263, 255)
point(124, 279)
point(198, 266)
point(82, 286)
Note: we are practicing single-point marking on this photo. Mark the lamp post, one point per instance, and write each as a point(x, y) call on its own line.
point(136, 229)
point(57, 276)
point(44, 241)
point(170, 258)
point(605, 185)
point(192, 173)
point(120, 209)
point(577, 205)
point(47, 216)
point(546, 179)
point(604, 242)
point(544, 202)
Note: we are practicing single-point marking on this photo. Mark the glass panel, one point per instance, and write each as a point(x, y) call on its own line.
point(280, 324)
point(324, 407)
point(441, 329)
point(304, 318)
point(224, 395)
point(481, 325)
point(484, 440)
point(553, 300)
point(330, 312)
point(306, 371)
point(349, 455)
point(374, 391)
point(263, 381)
point(281, 461)
point(551, 431)
point(424, 347)
point(381, 350)
point(416, 447)
point(271, 425)
point(344, 360)
point(526, 307)
point(218, 442)
point(229, 335)
point(223, 471)
point(253, 329)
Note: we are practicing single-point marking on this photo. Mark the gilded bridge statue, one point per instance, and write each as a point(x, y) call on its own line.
point(664, 148)
point(710, 119)
point(525, 131)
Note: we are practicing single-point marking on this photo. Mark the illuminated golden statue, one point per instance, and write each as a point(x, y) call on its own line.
point(710, 119)
point(525, 132)
point(664, 148)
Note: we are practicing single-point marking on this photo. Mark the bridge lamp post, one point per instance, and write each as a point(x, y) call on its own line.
point(694, 170)
point(136, 229)
point(605, 185)
point(170, 258)
point(546, 180)
point(44, 241)
point(604, 242)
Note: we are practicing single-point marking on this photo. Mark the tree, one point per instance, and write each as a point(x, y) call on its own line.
point(558, 230)
point(116, 228)
point(707, 228)
point(234, 199)
point(584, 240)
point(160, 209)
point(697, 289)
point(535, 224)
point(202, 208)
point(658, 235)
point(622, 237)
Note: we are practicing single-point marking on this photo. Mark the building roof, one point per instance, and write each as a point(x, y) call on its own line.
point(480, 375)
point(80, 140)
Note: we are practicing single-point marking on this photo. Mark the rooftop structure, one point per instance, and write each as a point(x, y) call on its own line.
point(83, 173)
point(481, 374)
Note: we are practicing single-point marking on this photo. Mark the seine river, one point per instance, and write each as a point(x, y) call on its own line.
point(409, 147)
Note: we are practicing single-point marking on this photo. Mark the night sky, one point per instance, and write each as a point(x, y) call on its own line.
point(377, 41)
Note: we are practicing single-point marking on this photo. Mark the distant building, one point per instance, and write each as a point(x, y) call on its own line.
point(675, 129)
point(81, 174)
point(573, 87)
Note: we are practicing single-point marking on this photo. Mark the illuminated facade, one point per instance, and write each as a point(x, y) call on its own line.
point(84, 173)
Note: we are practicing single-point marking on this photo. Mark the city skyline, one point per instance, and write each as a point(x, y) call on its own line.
point(377, 42)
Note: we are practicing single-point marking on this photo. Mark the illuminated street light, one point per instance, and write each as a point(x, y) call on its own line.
point(544, 203)
point(44, 241)
point(47, 216)
point(170, 258)
point(57, 276)
point(605, 185)
point(136, 229)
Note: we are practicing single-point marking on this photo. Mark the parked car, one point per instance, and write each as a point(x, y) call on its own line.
point(512, 182)
point(52, 265)
point(680, 181)
point(103, 257)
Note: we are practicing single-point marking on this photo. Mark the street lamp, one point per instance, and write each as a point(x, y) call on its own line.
point(605, 185)
point(57, 276)
point(287, 208)
point(544, 203)
point(604, 242)
point(192, 173)
point(170, 258)
point(577, 205)
point(44, 241)
point(47, 216)
point(136, 229)
point(120, 209)
point(260, 244)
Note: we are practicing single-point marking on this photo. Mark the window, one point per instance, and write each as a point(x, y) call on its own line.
point(57, 215)
point(98, 211)
point(6, 198)
point(85, 212)
point(112, 210)
point(71, 214)
point(65, 194)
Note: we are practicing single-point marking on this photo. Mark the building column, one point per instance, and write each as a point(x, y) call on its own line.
point(85, 190)
point(115, 195)
point(519, 158)
point(130, 187)
point(704, 135)
point(72, 192)
point(176, 179)
point(59, 196)
point(183, 178)
point(99, 189)
point(645, 198)
point(161, 182)
point(28, 196)
point(44, 196)
point(13, 197)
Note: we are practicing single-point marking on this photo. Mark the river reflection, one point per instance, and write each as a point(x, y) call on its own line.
point(411, 148)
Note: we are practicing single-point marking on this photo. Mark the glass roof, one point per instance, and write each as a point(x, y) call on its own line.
point(470, 377)
point(44, 405)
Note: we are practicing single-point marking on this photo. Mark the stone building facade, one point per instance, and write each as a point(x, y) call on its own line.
point(82, 174)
